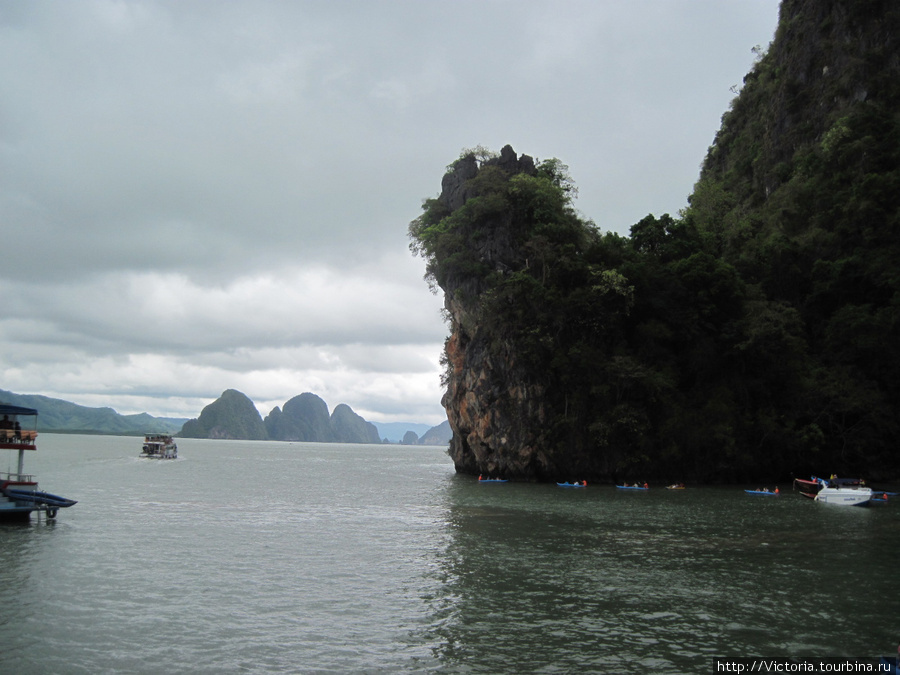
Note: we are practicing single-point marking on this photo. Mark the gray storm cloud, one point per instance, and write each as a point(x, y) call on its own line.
point(198, 196)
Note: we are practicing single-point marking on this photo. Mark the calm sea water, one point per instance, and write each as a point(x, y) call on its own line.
point(264, 557)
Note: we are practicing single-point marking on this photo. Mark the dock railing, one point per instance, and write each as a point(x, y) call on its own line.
point(16, 477)
point(17, 439)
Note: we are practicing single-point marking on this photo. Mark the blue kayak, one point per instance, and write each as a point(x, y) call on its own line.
point(571, 485)
point(493, 480)
point(761, 493)
point(630, 487)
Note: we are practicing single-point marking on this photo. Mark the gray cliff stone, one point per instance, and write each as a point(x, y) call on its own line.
point(489, 397)
point(454, 191)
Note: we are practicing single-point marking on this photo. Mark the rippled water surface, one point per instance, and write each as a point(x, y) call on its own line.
point(254, 557)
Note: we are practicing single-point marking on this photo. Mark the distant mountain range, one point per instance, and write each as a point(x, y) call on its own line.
point(233, 415)
point(65, 417)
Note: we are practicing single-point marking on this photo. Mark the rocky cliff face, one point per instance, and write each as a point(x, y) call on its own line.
point(495, 413)
point(495, 406)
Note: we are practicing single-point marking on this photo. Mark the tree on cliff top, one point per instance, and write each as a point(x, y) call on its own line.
point(492, 208)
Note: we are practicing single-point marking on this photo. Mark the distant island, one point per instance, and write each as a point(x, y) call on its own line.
point(233, 416)
point(302, 418)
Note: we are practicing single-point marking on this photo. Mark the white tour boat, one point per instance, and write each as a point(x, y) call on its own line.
point(159, 446)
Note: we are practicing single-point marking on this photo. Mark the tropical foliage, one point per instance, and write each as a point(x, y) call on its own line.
point(755, 334)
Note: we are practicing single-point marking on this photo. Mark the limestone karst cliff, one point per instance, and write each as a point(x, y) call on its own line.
point(303, 418)
point(757, 335)
point(348, 427)
point(231, 416)
point(498, 239)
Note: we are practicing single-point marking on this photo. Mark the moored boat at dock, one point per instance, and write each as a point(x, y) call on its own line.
point(807, 486)
point(834, 490)
point(811, 487)
point(19, 493)
point(845, 495)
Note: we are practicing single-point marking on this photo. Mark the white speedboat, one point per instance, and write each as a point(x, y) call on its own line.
point(849, 495)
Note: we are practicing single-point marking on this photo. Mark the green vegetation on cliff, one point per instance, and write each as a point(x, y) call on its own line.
point(801, 194)
point(754, 336)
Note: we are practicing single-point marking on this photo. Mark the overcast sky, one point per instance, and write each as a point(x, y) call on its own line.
point(198, 196)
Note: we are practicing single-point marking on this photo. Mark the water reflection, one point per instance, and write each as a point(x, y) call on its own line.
point(534, 578)
point(315, 558)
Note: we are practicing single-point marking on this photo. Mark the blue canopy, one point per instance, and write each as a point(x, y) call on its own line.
point(16, 410)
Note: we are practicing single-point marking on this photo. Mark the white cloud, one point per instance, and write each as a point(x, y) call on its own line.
point(200, 196)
